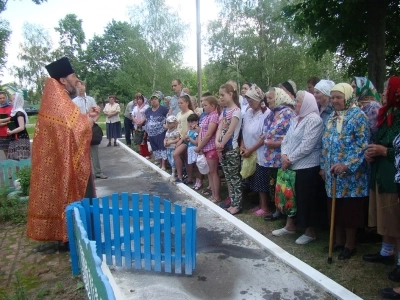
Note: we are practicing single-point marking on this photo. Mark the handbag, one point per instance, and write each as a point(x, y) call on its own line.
point(97, 135)
point(285, 198)
point(249, 165)
point(138, 138)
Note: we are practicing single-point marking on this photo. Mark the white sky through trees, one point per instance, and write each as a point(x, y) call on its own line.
point(96, 15)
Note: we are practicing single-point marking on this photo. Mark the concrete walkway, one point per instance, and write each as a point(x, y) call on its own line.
point(230, 265)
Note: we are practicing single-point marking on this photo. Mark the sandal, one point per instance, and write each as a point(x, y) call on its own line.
point(260, 213)
point(213, 200)
point(253, 210)
point(207, 192)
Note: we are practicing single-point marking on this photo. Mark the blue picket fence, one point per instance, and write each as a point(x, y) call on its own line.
point(142, 232)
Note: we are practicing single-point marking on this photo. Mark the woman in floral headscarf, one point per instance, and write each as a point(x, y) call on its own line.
point(343, 144)
point(252, 142)
point(384, 210)
point(275, 127)
point(368, 99)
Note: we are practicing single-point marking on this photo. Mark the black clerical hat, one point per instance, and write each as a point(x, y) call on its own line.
point(60, 68)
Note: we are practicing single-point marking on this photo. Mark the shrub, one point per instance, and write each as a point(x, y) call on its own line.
point(24, 176)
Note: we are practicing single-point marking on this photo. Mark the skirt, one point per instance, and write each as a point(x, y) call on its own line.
point(4, 142)
point(384, 213)
point(191, 155)
point(259, 180)
point(113, 130)
point(157, 146)
point(307, 197)
point(349, 212)
point(19, 149)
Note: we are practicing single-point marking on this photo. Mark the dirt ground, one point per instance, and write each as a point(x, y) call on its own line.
point(27, 274)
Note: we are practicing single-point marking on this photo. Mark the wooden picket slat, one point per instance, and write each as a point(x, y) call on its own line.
point(178, 238)
point(107, 229)
point(188, 240)
point(146, 232)
point(136, 231)
point(117, 230)
point(88, 217)
point(167, 236)
point(127, 230)
point(97, 226)
point(194, 240)
point(157, 233)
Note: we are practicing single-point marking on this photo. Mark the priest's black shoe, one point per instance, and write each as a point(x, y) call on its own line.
point(378, 258)
point(389, 293)
point(394, 275)
point(346, 253)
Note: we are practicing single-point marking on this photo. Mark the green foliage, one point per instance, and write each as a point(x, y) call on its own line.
point(345, 27)
point(24, 176)
point(249, 42)
point(12, 209)
point(35, 54)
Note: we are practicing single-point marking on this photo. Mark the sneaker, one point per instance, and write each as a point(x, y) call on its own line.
point(178, 180)
point(305, 239)
point(226, 203)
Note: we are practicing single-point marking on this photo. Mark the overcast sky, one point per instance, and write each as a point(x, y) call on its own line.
point(96, 15)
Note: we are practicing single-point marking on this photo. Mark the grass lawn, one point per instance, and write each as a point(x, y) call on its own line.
point(362, 278)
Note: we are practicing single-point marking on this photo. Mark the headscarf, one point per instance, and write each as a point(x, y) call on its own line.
point(324, 86)
point(393, 101)
point(349, 102)
point(18, 105)
point(347, 90)
point(255, 93)
point(7, 103)
point(365, 90)
point(159, 95)
point(282, 98)
point(308, 106)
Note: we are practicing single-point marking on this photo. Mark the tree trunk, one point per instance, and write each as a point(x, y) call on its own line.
point(376, 26)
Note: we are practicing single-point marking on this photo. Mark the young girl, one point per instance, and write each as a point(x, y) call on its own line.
point(180, 153)
point(206, 145)
point(172, 136)
point(227, 144)
point(20, 147)
point(192, 134)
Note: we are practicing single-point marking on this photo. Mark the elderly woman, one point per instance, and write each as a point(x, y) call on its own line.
point(276, 125)
point(155, 120)
point(301, 150)
point(113, 122)
point(252, 142)
point(368, 99)
point(290, 88)
point(322, 93)
point(384, 210)
point(344, 141)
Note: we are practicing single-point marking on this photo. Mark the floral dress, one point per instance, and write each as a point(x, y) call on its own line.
point(346, 147)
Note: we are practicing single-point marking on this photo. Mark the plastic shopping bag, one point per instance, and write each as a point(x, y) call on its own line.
point(249, 165)
point(202, 164)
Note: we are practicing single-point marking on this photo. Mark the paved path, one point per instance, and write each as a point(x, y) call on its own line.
point(229, 264)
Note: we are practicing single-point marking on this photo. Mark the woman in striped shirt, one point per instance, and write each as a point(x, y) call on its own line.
point(301, 148)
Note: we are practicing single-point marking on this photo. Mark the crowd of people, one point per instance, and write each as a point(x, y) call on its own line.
point(298, 143)
point(296, 149)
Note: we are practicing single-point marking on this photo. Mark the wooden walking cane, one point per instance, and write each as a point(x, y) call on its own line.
point(332, 219)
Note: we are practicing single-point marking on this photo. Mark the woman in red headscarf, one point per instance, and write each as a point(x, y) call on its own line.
point(384, 210)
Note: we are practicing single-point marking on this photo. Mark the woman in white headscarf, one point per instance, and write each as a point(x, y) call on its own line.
point(322, 93)
point(301, 150)
point(20, 146)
